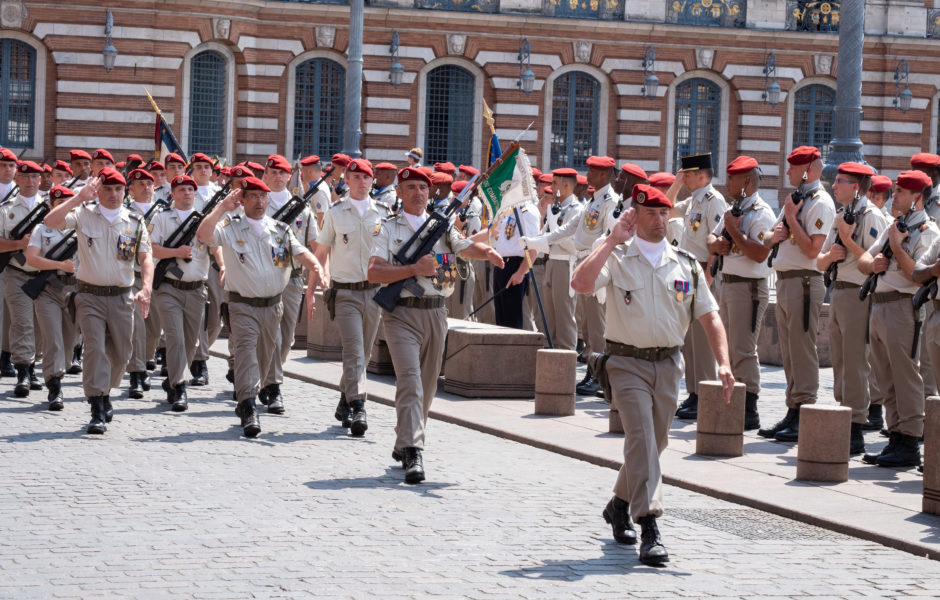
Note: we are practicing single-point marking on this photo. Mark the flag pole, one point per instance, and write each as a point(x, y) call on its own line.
point(156, 109)
point(535, 285)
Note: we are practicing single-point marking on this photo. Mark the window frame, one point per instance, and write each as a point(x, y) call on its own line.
point(182, 129)
point(572, 123)
point(602, 112)
point(291, 101)
point(723, 126)
point(36, 149)
point(478, 79)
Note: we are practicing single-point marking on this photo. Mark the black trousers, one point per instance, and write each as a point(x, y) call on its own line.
point(508, 305)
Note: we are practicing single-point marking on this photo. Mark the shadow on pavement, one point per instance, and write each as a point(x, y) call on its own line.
point(392, 480)
point(617, 560)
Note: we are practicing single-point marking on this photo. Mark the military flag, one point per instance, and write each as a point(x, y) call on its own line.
point(509, 182)
point(164, 141)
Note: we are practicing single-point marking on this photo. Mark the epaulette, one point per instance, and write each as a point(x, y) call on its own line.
point(135, 216)
point(708, 196)
point(687, 254)
point(281, 225)
point(7, 201)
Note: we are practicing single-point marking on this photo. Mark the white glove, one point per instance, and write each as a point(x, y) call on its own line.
point(535, 243)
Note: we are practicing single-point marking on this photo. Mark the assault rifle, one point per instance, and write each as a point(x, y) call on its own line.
point(420, 244)
point(871, 282)
point(736, 211)
point(22, 229)
point(850, 216)
point(798, 196)
point(925, 293)
point(65, 249)
point(296, 205)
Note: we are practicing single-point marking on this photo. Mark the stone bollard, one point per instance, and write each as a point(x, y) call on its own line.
point(823, 446)
point(614, 425)
point(554, 382)
point(720, 426)
point(932, 457)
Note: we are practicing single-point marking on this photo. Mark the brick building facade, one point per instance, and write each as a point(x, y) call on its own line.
point(246, 78)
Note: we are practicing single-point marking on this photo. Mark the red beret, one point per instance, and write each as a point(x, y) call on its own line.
point(225, 171)
point(156, 165)
point(854, 168)
point(60, 191)
point(101, 153)
point(276, 161)
point(441, 178)
point(241, 171)
point(582, 180)
point(255, 167)
point(632, 169)
point(445, 167)
point(183, 180)
point(601, 162)
point(548, 190)
point(458, 186)
point(139, 175)
point(915, 181)
point(79, 155)
point(7, 155)
point(253, 183)
point(199, 157)
point(535, 172)
point(386, 166)
point(109, 176)
point(120, 164)
point(413, 173)
point(309, 160)
point(216, 168)
point(340, 159)
point(46, 168)
point(565, 172)
point(647, 195)
point(134, 157)
point(925, 160)
point(741, 164)
point(803, 155)
point(360, 165)
point(427, 171)
point(471, 171)
point(61, 165)
point(662, 180)
point(173, 157)
point(880, 183)
point(28, 166)
point(545, 178)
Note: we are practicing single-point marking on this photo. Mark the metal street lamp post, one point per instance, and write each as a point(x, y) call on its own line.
point(353, 110)
point(846, 146)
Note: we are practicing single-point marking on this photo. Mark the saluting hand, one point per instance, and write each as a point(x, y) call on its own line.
point(89, 190)
point(232, 201)
point(625, 227)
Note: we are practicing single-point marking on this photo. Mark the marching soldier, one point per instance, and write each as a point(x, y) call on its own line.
point(653, 293)
point(53, 316)
point(174, 166)
point(14, 214)
point(701, 212)
point(101, 159)
point(61, 173)
point(146, 330)
point(744, 294)
point(857, 227)
point(880, 192)
point(349, 229)
point(110, 240)
point(384, 193)
point(277, 175)
point(310, 172)
point(180, 300)
point(8, 164)
point(257, 253)
point(161, 187)
point(895, 327)
point(80, 162)
point(466, 173)
point(929, 164)
point(801, 229)
point(202, 174)
point(416, 329)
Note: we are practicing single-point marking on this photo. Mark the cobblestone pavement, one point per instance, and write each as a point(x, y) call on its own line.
point(180, 506)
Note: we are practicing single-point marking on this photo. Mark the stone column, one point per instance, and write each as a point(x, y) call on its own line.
point(846, 145)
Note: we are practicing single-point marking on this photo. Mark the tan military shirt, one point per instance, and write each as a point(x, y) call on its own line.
point(869, 226)
point(703, 210)
point(570, 210)
point(46, 238)
point(321, 199)
point(652, 307)
point(386, 197)
point(304, 225)
point(350, 239)
point(592, 221)
point(107, 252)
point(757, 219)
point(816, 216)
point(396, 231)
point(256, 266)
point(12, 212)
point(204, 193)
point(922, 233)
point(163, 225)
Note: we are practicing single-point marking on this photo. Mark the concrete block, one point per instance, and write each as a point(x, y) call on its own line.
point(932, 457)
point(323, 339)
point(554, 382)
point(720, 426)
point(615, 425)
point(488, 361)
point(380, 363)
point(554, 405)
point(768, 343)
point(823, 448)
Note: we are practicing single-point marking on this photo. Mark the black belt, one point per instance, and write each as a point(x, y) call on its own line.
point(256, 302)
point(845, 285)
point(752, 282)
point(102, 290)
point(540, 261)
point(885, 297)
point(807, 276)
point(428, 302)
point(185, 285)
point(299, 271)
point(726, 278)
point(649, 354)
point(24, 271)
point(66, 279)
point(358, 285)
point(797, 273)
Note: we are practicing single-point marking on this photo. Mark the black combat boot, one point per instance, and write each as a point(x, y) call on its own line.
point(97, 423)
point(76, 365)
point(200, 372)
point(652, 551)
point(414, 465)
point(856, 440)
point(180, 403)
point(751, 418)
point(54, 385)
point(872, 459)
point(875, 419)
point(357, 423)
point(6, 365)
point(617, 514)
point(906, 453)
point(793, 415)
point(342, 413)
point(143, 377)
point(34, 383)
point(275, 401)
point(246, 411)
point(136, 391)
point(170, 392)
point(22, 381)
point(689, 408)
point(108, 409)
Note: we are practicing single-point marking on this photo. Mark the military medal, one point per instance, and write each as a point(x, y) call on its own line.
point(681, 287)
point(510, 227)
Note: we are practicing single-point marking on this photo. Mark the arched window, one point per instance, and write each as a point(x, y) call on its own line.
point(318, 107)
point(17, 93)
point(448, 126)
point(575, 104)
point(698, 115)
point(207, 91)
point(812, 117)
